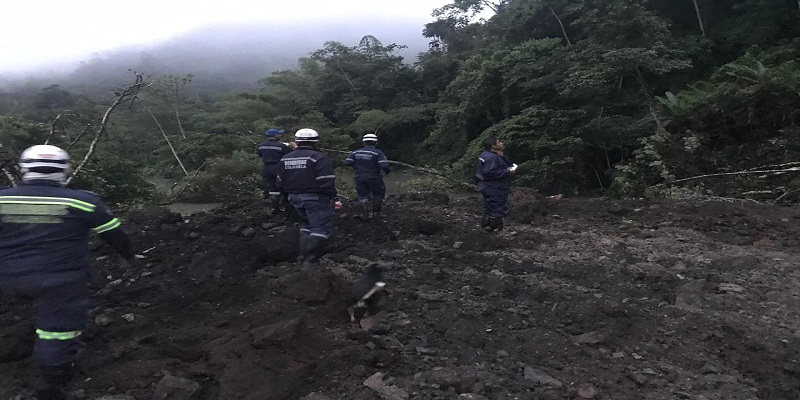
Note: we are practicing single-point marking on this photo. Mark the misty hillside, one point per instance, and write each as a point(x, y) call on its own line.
point(224, 57)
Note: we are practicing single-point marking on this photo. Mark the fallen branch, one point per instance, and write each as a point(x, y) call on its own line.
point(174, 153)
point(421, 169)
point(127, 95)
point(184, 186)
point(776, 171)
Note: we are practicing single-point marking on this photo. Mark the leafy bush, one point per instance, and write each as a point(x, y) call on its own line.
point(120, 183)
point(228, 179)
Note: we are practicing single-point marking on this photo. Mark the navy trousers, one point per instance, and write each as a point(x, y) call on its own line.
point(495, 199)
point(316, 211)
point(370, 186)
point(61, 313)
point(270, 174)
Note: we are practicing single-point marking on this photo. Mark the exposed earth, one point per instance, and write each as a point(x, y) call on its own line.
point(576, 299)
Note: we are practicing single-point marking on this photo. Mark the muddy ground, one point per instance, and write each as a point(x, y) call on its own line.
point(576, 299)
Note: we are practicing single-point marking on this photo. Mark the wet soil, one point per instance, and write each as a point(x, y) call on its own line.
point(575, 299)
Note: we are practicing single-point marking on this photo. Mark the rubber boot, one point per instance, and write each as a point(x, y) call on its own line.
point(486, 223)
point(376, 207)
point(53, 382)
point(302, 247)
point(275, 200)
point(496, 224)
point(313, 248)
point(365, 211)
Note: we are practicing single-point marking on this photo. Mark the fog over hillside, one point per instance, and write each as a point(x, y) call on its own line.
point(220, 57)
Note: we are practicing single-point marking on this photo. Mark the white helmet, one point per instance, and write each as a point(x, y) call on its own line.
point(370, 137)
point(306, 135)
point(44, 162)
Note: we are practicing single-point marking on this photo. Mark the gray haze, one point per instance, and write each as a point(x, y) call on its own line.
point(232, 57)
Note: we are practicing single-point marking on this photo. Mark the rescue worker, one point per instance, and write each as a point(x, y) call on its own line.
point(44, 254)
point(306, 174)
point(367, 163)
point(271, 152)
point(493, 174)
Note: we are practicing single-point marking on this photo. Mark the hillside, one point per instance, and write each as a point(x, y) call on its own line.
point(578, 299)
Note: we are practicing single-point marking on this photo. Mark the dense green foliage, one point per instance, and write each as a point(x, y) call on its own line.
point(590, 96)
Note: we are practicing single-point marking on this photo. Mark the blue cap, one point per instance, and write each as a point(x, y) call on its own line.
point(272, 132)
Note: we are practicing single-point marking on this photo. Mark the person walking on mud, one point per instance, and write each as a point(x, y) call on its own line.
point(306, 174)
point(44, 254)
point(271, 152)
point(493, 174)
point(368, 162)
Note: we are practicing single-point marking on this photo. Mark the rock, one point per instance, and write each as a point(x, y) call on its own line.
point(102, 320)
point(617, 355)
point(730, 288)
point(540, 378)
point(248, 232)
point(174, 388)
point(502, 353)
point(388, 392)
point(690, 295)
point(194, 235)
point(592, 337)
point(587, 391)
point(130, 317)
point(471, 396)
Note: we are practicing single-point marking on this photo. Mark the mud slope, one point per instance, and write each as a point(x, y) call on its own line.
point(577, 299)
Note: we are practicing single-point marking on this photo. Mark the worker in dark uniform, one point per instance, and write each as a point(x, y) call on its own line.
point(306, 174)
point(368, 162)
point(493, 174)
point(44, 254)
point(271, 152)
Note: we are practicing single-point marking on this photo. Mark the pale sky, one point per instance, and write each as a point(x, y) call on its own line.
point(40, 32)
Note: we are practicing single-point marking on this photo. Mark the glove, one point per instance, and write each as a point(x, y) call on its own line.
point(337, 205)
point(512, 168)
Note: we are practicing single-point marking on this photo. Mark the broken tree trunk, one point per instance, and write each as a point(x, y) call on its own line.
point(126, 96)
point(164, 134)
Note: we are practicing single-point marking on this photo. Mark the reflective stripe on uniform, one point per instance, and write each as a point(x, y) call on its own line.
point(366, 151)
point(298, 158)
point(114, 223)
point(45, 335)
point(326, 177)
point(81, 205)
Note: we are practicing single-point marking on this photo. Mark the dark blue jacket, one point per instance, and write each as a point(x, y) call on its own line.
point(368, 162)
point(306, 170)
point(272, 150)
point(44, 231)
point(492, 169)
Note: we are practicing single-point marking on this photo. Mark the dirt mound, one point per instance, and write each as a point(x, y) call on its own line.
point(576, 299)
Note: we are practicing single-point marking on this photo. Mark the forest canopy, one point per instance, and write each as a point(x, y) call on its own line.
point(623, 97)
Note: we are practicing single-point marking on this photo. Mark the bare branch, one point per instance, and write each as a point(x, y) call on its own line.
point(700, 17)
point(52, 129)
point(184, 186)
point(7, 172)
point(78, 137)
point(561, 24)
point(127, 95)
point(174, 153)
point(775, 172)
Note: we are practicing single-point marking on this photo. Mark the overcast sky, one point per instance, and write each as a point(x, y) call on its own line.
point(34, 33)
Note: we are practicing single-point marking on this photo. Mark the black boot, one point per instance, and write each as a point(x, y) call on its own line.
point(376, 207)
point(314, 250)
point(53, 381)
point(485, 223)
point(365, 210)
point(275, 200)
point(301, 247)
point(496, 224)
